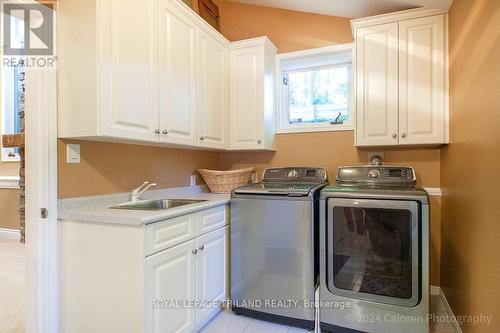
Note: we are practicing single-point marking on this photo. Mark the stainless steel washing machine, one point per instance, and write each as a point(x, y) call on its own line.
point(274, 246)
point(374, 252)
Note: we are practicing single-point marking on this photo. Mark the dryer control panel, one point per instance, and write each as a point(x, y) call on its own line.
point(376, 175)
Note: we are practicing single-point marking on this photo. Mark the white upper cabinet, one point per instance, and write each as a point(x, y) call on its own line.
point(213, 88)
point(161, 75)
point(422, 80)
point(177, 92)
point(252, 94)
point(401, 78)
point(128, 71)
point(108, 69)
point(377, 85)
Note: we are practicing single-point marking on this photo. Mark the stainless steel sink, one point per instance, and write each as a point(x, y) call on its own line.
point(156, 204)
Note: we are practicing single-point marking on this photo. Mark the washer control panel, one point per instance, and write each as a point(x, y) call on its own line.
point(370, 174)
point(298, 174)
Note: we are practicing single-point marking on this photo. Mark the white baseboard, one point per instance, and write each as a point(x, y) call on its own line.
point(435, 290)
point(434, 191)
point(10, 233)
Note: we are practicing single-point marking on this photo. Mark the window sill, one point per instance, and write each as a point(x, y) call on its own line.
point(9, 182)
point(333, 128)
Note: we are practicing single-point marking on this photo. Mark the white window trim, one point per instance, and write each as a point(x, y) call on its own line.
point(6, 123)
point(9, 182)
point(282, 125)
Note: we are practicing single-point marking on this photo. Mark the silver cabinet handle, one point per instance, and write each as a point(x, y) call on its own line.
point(403, 135)
point(202, 138)
point(195, 251)
point(165, 132)
point(259, 141)
point(201, 248)
point(157, 131)
point(394, 136)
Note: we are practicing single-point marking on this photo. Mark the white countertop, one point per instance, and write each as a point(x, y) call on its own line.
point(96, 208)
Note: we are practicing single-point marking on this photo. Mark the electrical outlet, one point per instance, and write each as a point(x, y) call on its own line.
point(73, 153)
point(375, 153)
point(192, 180)
point(254, 177)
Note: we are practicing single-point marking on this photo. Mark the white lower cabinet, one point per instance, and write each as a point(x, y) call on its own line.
point(211, 262)
point(171, 277)
point(164, 277)
point(184, 284)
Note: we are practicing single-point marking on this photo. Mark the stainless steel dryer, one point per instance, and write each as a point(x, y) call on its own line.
point(274, 246)
point(374, 256)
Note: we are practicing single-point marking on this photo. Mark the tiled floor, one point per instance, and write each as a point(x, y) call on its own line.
point(227, 322)
point(12, 285)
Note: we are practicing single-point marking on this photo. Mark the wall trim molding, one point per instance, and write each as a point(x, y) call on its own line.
point(10, 233)
point(9, 182)
point(434, 191)
point(436, 290)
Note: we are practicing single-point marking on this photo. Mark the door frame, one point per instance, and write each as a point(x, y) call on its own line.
point(41, 192)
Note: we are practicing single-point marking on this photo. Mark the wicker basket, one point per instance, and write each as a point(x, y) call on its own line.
point(226, 181)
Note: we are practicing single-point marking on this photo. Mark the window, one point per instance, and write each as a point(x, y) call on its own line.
point(10, 85)
point(316, 90)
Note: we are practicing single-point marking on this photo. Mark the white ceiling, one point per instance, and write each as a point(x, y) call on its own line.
point(349, 8)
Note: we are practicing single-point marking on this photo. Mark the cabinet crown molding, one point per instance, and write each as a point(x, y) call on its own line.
point(394, 17)
point(257, 41)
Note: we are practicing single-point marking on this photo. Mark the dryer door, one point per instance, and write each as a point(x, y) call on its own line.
point(373, 250)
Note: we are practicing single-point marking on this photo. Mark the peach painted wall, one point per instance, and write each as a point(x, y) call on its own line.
point(293, 31)
point(9, 209)
point(110, 167)
point(470, 165)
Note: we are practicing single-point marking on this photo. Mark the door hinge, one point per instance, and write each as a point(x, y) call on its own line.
point(284, 80)
point(44, 213)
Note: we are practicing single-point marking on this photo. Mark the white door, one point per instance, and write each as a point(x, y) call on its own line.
point(213, 67)
point(171, 275)
point(177, 78)
point(422, 80)
point(246, 101)
point(211, 263)
point(377, 85)
point(128, 69)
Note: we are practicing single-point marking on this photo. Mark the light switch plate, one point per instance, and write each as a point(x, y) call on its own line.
point(192, 180)
point(72, 153)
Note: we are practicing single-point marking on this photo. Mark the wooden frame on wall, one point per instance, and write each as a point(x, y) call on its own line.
point(209, 11)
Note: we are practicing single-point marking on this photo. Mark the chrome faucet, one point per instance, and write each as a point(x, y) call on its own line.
point(140, 190)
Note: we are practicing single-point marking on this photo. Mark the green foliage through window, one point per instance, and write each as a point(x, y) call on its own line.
point(318, 95)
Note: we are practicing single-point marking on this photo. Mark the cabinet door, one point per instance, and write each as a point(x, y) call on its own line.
point(213, 91)
point(377, 85)
point(246, 98)
point(422, 80)
point(211, 263)
point(171, 275)
point(128, 69)
point(177, 79)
